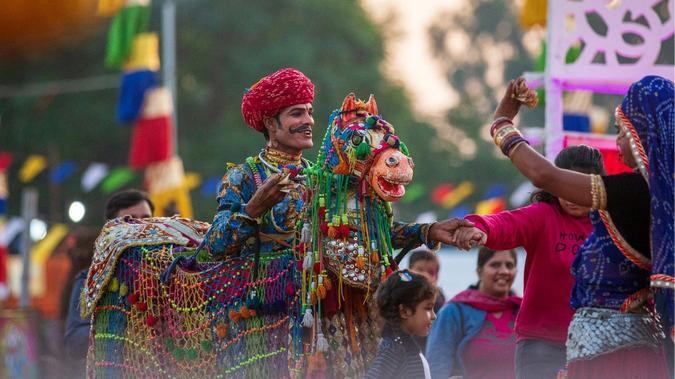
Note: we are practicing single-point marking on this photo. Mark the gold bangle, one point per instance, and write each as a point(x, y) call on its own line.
point(503, 133)
point(595, 193)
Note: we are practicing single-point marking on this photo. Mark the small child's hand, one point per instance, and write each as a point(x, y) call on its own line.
point(467, 237)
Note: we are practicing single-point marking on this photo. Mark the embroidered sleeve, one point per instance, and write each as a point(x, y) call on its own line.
point(409, 236)
point(232, 226)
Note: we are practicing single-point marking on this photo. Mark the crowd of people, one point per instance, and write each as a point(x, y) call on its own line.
point(598, 277)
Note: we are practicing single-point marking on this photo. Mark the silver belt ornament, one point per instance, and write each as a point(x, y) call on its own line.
point(597, 331)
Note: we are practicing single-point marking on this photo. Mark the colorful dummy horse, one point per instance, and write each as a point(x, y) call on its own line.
point(157, 311)
point(346, 241)
point(154, 317)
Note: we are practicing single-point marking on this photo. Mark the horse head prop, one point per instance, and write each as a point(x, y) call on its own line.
point(362, 167)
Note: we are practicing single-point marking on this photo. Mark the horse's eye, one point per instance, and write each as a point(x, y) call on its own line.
point(392, 161)
point(411, 163)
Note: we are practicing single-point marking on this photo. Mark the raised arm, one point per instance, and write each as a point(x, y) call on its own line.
point(569, 185)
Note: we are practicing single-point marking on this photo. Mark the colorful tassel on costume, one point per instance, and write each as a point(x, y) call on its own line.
point(306, 233)
point(321, 289)
point(308, 319)
point(327, 283)
point(359, 261)
point(321, 342)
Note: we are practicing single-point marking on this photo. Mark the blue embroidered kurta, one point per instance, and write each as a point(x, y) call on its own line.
point(232, 231)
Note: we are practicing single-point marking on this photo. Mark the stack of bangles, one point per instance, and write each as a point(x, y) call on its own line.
point(506, 136)
point(598, 194)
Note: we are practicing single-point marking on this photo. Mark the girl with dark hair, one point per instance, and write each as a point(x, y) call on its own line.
point(551, 231)
point(473, 336)
point(405, 302)
point(613, 333)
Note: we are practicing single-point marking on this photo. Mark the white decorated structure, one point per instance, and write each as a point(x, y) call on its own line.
point(608, 62)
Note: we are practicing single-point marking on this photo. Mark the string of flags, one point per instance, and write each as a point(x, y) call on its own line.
point(98, 174)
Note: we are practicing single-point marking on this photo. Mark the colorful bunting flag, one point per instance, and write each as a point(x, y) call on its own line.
point(11, 229)
point(45, 246)
point(5, 160)
point(117, 178)
point(495, 190)
point(132, 93)
point(210, 186)
point(144, 53)
point(522, 194)
point(413, 193)
point(32, 167)
point(93, 175)
point(129, 21)
point(460, 193)
point(459, 211)
point(490, 206)
point(62, 171)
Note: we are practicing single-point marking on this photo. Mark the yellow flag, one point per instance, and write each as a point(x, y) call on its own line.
point(44, 248)
point(461, 192)
point(144, 53)
point(33, 165)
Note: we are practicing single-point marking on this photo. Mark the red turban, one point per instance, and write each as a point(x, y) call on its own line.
point(273, 93)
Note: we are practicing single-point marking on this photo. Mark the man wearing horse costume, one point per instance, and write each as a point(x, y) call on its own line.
point(285, 275)
point(264, 202)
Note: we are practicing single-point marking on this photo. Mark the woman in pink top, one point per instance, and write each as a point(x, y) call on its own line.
point(551, 230)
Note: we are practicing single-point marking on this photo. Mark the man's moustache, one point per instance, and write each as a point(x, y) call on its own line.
point(300, 129)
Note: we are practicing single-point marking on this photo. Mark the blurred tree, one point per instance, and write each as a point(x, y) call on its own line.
point(480, 48)
point(223, 47)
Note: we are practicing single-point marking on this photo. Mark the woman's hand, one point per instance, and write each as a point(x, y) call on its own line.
point(509, 106)
point(467, 237)
point(271, 192)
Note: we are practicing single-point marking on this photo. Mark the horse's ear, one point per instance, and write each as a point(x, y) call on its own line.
point(371, 105)
point(348, 106)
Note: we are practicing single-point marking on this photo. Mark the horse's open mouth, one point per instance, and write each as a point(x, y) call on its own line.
point(392, 187)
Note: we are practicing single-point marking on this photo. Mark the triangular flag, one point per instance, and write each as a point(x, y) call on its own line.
point(457, 195)
point(496, 190)
point(521, 194)
point(129, 21)
point(62, 171)
point(11, 229)
point(5, 160)
point(490, 206)
point(413, 193)
point(210, 186)
point(144, 53)
point(93, 175)
point(4, 191)
point(45, 246)
point(192, 180)
point(117, 178)
point(33, 165)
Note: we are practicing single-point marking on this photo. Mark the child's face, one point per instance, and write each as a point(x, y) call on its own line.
point(428, 268)
point(418, 321)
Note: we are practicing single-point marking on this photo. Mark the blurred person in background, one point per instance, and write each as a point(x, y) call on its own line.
point(425, 262)
point(551, 230)
point(132, 203)
point(473, 336)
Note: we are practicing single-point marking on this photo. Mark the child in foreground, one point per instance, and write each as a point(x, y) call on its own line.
point(405, 302)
